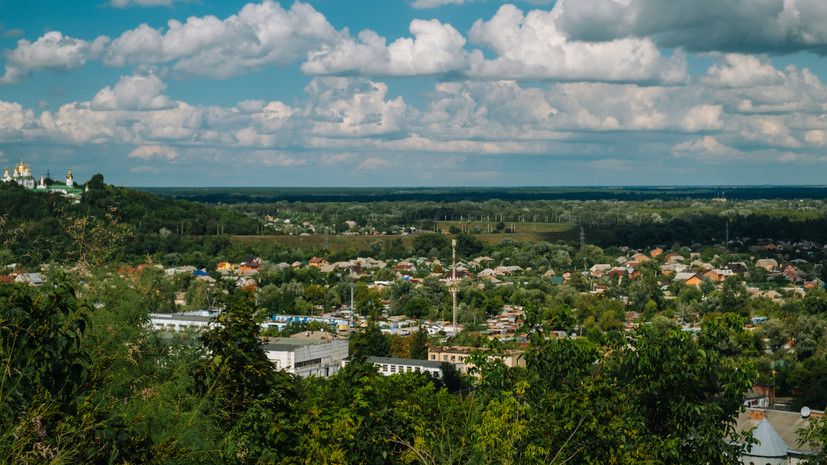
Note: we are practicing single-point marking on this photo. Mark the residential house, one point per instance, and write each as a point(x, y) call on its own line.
point(695, 280)
point(487, 273)
point(249, 266)
point(508, 269)
point(789, 272)
point(686, 276)
point(405, 268)
point(715, 275)
point(736, 267)
point(600, 269)
point(766, 263)
point(225, 268)
point(32, 279)
point(673, 258)
point(180, 269)
point(317, 262)
point(637, 259)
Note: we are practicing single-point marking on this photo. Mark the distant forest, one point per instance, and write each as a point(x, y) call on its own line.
point(233, 195)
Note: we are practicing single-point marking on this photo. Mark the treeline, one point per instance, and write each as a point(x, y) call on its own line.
point(479, 194)
point(126, 224)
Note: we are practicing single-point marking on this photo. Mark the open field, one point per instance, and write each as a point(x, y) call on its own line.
point(551, 232)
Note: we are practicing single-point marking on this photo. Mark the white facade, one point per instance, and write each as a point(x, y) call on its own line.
point(199, 320)
point(308, 357)
point(392, 366)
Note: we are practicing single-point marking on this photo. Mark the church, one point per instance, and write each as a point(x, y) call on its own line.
point(23, 176)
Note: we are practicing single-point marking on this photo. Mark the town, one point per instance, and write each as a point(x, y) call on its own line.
point(456, 309)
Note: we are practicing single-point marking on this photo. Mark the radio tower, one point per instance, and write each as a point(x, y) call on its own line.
point(582, 237)
point(325, 238)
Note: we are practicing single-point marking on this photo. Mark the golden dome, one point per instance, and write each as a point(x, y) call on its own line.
point(69, 176)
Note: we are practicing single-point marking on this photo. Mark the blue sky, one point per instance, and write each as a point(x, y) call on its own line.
point(416, 92)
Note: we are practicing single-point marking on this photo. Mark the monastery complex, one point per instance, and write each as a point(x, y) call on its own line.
point(22, 175)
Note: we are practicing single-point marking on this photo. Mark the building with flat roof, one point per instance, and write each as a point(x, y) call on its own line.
point(197, 320)
point(457, 354)
point(392, 366)
point(308, 356)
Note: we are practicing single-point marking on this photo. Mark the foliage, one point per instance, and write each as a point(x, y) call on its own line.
point(251, 399)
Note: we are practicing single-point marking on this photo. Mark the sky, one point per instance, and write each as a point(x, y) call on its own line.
point(363, 93)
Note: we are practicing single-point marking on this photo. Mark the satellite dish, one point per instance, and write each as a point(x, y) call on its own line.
point(805, 412)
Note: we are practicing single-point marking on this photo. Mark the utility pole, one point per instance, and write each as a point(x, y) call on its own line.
point(727, 234)
point(454, 279)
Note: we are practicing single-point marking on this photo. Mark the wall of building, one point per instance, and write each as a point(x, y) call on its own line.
point(322, 359)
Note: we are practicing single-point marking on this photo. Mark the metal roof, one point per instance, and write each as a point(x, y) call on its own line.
point(769, 443)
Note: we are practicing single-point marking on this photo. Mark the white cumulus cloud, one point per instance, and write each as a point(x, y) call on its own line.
point(532, 46)
point(260, 35)
point(348, 107)
point(53, 52)
point(149, 151)
point(435, 48)
point(737, 70)
point(133, 93)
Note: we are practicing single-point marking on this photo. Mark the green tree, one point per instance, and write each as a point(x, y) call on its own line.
point(369, 342)
point(419, 344)
point(417, 307)
point(685, 394)
point(734, 297)
point(244, 386)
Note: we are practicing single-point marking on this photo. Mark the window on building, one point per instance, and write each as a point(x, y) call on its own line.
point(308, 363)
point(393, 368)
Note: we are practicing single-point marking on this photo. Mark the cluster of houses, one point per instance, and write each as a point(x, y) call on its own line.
point(288, 226)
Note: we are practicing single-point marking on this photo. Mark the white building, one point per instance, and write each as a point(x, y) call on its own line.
point(392, 366)
point(198, 320)
point(308, 356)
point(22, 175)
